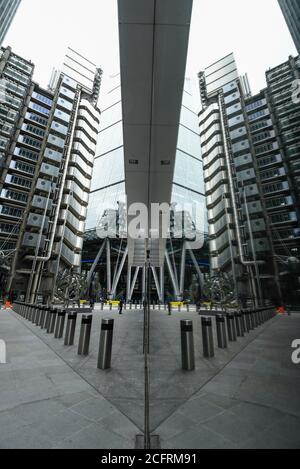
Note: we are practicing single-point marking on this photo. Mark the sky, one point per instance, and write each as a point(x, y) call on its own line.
point(254, 30)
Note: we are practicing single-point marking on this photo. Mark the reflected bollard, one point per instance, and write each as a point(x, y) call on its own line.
point(47, 317)
point(245, 322)
point(238, 324)
point(42, 315)
point(231, 327)
point(251, 324)
point(254, 319)
point(105, 345)
point(60, 323)
point(33, 313)
point(221, 331)
point(70, 329)
point(52, 319)
point(207, 338)
point(85, 334)
point(37, 315)
point(187, 345)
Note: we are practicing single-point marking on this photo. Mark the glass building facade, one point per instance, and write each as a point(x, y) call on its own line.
point(8, 9)
point(108, 183)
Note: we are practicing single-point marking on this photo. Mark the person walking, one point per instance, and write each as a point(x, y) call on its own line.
point(120, 306)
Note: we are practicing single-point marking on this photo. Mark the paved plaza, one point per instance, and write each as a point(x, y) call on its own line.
point(247, 396)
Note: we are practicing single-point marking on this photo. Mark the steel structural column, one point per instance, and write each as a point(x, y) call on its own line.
point(173, 278)
point(108, 269)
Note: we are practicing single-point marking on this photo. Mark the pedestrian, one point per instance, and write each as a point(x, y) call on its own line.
point(169, 308)
point(120, 306)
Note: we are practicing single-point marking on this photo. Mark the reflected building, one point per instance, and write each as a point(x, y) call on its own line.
point(291, 13)
point(250, 146)
point(108, 194)
point(8, 9)
point(48, 141)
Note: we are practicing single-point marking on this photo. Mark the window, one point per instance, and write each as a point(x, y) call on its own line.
point(11, 211)
point(276, 202)
point(32, 142)
point(21, 181)
point(264, 148)
point(19, 196)
point(40, 109)
point(28, 154)
point(27, 168)
point(9, 228)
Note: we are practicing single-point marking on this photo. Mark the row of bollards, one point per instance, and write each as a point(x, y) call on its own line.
point(53, 321)
point(229, 327)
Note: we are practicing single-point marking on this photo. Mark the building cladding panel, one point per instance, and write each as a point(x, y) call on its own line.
point(8, 9)
point(291, 12)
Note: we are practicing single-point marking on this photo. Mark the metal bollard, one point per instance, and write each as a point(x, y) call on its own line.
point(221, 331)
point(207, 338)
point(245, 322)
point(141, 305)
point(187, 308)
point(130, 305)
point(37, 315)
point(110, 306)
point(46, 318)
point(60, 322)
point(52, 319)
point(251, 323)
point(70, 330)
point(102, 305)
point(238, 324)
point(105, 345)
point(85, 334)
point(254, 319)
point(42, 315)
point(32, 313)
point(165, 306)
point(231, 327)
point(187, 345)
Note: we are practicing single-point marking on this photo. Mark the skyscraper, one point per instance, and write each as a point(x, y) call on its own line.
point(291, 12)
point(250, 145)
point(47, 165)
point(8, 9)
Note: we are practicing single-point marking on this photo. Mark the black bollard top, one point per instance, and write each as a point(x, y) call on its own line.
point(206, 321)
point(107, 324)
point(86, 319)
point(186, 325)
